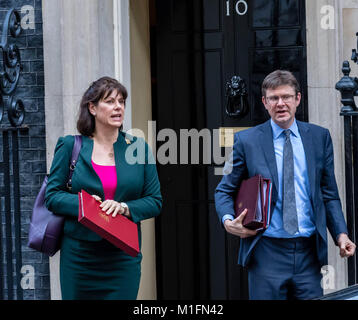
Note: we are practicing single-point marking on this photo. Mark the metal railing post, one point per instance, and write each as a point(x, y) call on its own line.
point(9, 78)
point(348, 87)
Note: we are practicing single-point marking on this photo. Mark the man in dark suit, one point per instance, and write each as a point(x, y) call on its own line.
point(285, 260)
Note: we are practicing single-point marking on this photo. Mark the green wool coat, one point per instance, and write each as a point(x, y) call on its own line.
point(90, 267)
point(137, 183)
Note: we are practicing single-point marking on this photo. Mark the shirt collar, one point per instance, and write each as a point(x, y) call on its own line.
point(277, 130)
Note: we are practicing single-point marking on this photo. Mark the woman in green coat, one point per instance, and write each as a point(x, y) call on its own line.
point(119, 170)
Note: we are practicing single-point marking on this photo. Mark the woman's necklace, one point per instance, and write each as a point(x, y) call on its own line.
point(110, 154)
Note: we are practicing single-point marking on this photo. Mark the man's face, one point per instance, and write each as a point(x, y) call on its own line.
point(281, 103)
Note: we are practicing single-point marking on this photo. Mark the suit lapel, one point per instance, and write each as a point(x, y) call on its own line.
point(120, 148)
point(266, 141)
point(309, 148)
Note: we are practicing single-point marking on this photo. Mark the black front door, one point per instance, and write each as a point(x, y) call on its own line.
point(197, 47)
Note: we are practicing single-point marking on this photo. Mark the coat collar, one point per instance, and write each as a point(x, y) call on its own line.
point(119, 147)
point(309, 148)
point(266, 141)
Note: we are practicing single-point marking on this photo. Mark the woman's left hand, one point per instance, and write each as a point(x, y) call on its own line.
point(112, 207)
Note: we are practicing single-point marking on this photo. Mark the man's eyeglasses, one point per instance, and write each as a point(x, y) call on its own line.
point(275, 99)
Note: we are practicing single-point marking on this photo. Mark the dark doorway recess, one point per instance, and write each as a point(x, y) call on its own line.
point(196, 47)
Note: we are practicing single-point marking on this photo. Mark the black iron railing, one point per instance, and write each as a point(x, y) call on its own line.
point(348, 86)
point(10, 244)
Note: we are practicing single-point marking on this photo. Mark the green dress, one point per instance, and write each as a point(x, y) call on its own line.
point(91, 267)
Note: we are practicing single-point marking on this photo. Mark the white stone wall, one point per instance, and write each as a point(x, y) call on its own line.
point(84, 40)
point(331, 28)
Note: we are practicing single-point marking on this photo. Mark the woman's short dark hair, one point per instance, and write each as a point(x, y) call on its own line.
point(97, 91)
point(280, 78)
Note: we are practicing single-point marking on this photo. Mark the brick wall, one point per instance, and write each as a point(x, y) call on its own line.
point(32, 144)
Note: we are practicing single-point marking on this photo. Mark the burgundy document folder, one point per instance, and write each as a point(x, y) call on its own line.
point(120, 231)
point(255, 195)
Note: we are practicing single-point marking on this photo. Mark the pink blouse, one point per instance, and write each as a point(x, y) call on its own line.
point(108, 177)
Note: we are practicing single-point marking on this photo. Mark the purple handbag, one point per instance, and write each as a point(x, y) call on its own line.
point(46, 227)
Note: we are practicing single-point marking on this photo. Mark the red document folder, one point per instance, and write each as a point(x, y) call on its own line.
point(120, 231)
point(255, 195)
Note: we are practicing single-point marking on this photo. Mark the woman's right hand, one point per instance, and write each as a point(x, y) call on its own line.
point(97, 197)
point(236, 228)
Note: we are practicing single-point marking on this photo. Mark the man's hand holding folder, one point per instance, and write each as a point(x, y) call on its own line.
point(252, 207)
point(236, 227)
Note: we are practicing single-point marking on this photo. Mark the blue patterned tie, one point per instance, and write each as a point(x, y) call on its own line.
point(289, 212)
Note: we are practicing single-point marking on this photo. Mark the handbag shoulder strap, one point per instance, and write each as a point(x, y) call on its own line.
point(74, 157)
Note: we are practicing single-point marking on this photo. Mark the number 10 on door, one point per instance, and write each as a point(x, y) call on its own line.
point(240, 7)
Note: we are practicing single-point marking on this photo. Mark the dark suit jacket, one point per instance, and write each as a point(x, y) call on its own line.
point(137, 184)
point(253, 153)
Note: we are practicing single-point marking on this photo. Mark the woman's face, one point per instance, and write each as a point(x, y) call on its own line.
point(109, 111)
